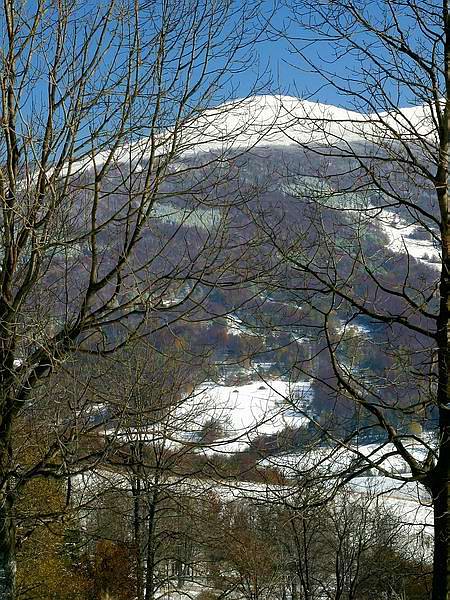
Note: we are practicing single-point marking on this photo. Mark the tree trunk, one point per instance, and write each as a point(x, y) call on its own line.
point(7, 549)
point(294, 594)
point(7, 497)
point(441, 559)
point(150, 573)
point(440, 475)
point(137, 519)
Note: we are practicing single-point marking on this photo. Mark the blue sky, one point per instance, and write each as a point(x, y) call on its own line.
point(291, 75)
point(283, 71)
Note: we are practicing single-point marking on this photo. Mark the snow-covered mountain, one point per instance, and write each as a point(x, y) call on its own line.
point(277, 122)
point(286, 120)
point(273, 120)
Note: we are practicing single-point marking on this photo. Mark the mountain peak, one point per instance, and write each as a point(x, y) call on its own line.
point(279, 120)
point(272, 120)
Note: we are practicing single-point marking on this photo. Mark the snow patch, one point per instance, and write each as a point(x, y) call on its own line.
point(401, 239)
point(256, 408)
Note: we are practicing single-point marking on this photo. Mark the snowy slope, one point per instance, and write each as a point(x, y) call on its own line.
point(255, 408)
point(269, 121)
point(285, 120)
point(242, 412)
point(273, 120)
point(380, 459)
point(414, 121)
point(401, 239)
point(241, 125)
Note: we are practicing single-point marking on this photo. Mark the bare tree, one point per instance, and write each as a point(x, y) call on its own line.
point(145, 491)
point(103, 193)
point(295, 548)
point(154, 456)
point(373, 188)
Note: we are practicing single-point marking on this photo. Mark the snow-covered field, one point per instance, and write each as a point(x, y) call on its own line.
point(379, 459)
point(266, 407)
point(236, 413)
point(255, 408)
point(388, 481)
point(401, 239)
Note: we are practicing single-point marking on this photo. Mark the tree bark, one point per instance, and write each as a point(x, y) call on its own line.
point(8, 407)
point(7, 548)
point(137, 518)
point(150, 571)
point(441, 559)
point(440, 491)
point(440, 479)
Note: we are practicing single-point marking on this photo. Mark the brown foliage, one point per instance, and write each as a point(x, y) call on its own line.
point(110, 572)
